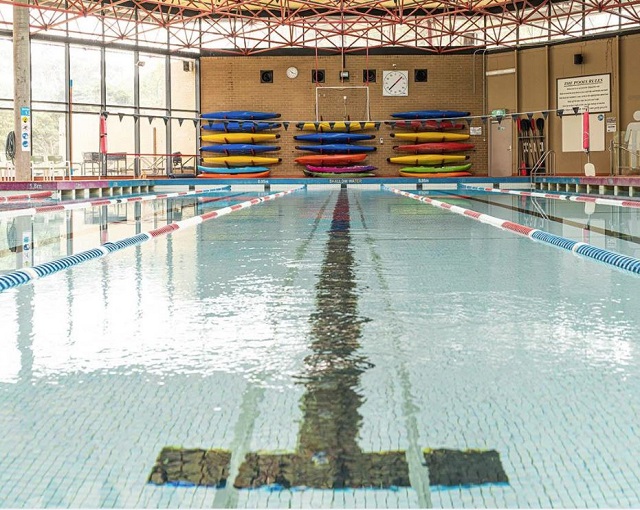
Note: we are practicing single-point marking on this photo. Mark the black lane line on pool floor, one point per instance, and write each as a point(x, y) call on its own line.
point(328, 455)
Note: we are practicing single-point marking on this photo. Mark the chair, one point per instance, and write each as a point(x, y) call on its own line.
point(7, 170)
point(38, 167)
point(91, 162)
point(58, 167)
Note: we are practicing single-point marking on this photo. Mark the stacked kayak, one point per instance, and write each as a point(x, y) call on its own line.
point(430, 114)
point(340, 171)
point(336, 154)
point(335, 127)
point(234, 145)
point(228, 126)
point(430, 147)
point(434, 147)
point(428, 159)
point(436, 171)
point(427, 125)
point(336, 148)
point(430, 136)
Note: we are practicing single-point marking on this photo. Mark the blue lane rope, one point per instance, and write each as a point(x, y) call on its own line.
point(25, 275)
point(608, 257)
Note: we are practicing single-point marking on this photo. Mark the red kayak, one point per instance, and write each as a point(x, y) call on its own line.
point(330, 159)
point(435, 147)
point(427, 125)
point(341, 169)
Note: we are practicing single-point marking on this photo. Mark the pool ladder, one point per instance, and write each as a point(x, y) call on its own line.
point(548, 169)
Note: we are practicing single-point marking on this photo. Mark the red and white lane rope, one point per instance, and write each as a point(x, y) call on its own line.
point(32, 211)
point(27, 196)
point(27, 274)
point(556, 196)
point(608, 257)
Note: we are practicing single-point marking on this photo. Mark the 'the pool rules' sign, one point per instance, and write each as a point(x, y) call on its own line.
point(582, 92)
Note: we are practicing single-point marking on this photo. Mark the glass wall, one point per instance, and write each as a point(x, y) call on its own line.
point(47, 72)
point(49, 136)
point(120, 78)
point(6, 95)
point(85, 74)
point(133, 89)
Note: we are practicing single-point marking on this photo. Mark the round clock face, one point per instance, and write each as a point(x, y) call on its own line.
point(292, 72)
point(395, 83)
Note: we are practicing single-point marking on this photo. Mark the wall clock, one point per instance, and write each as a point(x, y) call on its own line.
point(395, 83)
point(292, 72)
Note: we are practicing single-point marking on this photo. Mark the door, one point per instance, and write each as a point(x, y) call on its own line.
point(500, 148)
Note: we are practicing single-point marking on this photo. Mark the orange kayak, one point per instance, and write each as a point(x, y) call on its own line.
point(250, 175)
point(330, 159)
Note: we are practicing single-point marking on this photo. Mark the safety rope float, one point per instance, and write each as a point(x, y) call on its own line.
point(25, 275)
point(102, 201)
point(617, 260)
point(557, 196)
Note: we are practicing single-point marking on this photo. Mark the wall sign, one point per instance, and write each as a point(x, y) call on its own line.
point(25, 128)
point(593, 92)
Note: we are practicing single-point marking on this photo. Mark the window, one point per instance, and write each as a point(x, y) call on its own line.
point(119, 78)
point(47, 72)
point(85, 74)
point(6, 76)
point(152, 81)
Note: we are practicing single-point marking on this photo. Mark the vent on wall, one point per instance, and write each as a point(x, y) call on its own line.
point(317, 76)
point(369, 75)
point(420, 75)
point(266, 76)
point(187, 66)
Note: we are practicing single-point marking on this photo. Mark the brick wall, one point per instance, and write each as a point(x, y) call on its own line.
point(454, 83)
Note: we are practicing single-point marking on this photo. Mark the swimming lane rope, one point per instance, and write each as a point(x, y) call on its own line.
point(31, 211)
point(587, 250)
point(556, 196)
point(28, 196)
point(25, 275)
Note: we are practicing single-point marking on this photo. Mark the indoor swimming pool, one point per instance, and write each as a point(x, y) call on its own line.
point(327, 348)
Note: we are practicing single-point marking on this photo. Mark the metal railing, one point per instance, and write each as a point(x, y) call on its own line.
point(622, 158)
point(546, 165)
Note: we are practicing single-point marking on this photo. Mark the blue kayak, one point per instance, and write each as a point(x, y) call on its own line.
point(244, 127)
point(429, 114)
point(333, 137)
point(239, 148)
point(336, 148)
point(232, 170)
point(240, 115)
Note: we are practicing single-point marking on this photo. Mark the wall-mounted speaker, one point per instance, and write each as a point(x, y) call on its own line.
point(420, 75)
point(578, 59)
point(266, 76)
point(317, 76)
point(369, 75)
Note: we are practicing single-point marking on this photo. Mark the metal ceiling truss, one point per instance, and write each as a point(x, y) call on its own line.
point(247, 27)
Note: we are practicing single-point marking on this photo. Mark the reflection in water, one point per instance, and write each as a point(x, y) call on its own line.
point(328, 455)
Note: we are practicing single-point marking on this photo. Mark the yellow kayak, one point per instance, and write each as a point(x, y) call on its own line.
point(430, 136)
point(242, 160)
point(335, 127)
point(427, 159)
point(239, 137)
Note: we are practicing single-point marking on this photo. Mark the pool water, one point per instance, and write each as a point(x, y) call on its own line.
point(333, 348)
